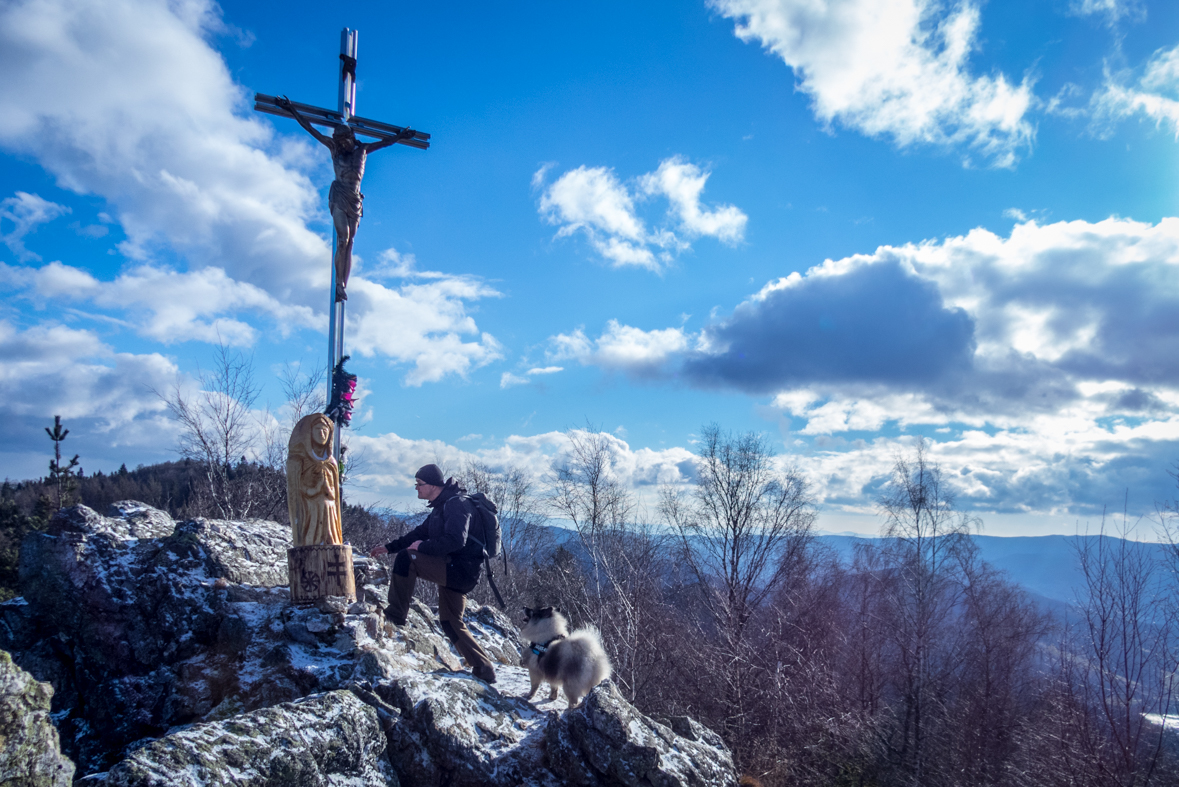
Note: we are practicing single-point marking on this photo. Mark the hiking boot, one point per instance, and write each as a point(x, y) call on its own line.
point(484, 673)
point(389, 618)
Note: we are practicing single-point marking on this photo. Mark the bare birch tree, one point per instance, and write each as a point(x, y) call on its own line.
point(744, 527)
point(1127, 647)
point(743, 531)
point(217, 428)
point(928, 542)
point(624, 557)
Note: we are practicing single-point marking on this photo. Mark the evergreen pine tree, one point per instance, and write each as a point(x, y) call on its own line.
point(63, 479)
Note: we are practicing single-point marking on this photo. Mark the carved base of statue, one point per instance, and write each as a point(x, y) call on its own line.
point(318, 571)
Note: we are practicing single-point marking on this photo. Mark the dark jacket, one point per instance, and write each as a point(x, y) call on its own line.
point(444, 534)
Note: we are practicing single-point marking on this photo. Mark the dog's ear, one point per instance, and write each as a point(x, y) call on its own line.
point(527, 612)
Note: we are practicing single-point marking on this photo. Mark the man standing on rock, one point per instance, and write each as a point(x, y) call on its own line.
point(439, 551)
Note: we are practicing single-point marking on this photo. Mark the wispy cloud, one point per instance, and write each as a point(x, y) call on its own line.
point(1113, 10)
point(893, 68)
point(593, 201)
point(508, 379)
point(1154, 95)
point(24, 212)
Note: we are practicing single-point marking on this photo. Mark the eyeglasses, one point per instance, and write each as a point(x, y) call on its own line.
point(418, 484)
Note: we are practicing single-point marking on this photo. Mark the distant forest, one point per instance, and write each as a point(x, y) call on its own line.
point(912, 663)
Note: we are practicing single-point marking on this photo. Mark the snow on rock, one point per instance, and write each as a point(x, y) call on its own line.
point(326, 739)
point(168, 645)
point(607, 741)
point(253, 554)
point(453, 729)
point(29, 752)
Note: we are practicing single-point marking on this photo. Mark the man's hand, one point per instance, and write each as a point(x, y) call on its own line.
point(378, 550)
point(406, 133)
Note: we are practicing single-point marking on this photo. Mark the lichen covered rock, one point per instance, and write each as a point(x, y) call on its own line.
point(452, 729)
point(325, 739)
point(29, 751)
point(606, 741)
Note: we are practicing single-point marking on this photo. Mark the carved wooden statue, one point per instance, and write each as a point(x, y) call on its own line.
point(313, 483)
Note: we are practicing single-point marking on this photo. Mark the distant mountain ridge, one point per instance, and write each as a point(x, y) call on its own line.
point(1045, 566)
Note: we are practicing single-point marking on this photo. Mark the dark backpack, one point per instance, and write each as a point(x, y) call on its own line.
point(490, 530)
point(491, 541)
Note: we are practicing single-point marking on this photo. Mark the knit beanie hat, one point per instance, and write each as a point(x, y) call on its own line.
point(430, 474)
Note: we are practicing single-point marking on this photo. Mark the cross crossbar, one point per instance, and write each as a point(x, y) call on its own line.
point(326, 117)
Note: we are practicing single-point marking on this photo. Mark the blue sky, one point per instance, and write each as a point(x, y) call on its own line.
point(842, 223)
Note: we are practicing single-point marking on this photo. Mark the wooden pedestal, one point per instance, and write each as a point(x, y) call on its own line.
point(321, 571)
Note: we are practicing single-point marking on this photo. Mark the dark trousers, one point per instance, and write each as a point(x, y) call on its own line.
point(408, 565)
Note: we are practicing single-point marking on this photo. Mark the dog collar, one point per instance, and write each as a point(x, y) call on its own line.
point(540, 649)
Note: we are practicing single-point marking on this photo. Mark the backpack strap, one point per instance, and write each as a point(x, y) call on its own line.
point(474, 515)
point(491, 581)
point(470, 535)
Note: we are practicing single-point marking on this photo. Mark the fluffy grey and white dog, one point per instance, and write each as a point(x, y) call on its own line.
point(575, 662)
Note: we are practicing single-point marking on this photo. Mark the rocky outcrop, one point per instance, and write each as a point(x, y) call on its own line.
point(606, 741)
point(29, 752)
point(171, 645)
point(460, 732)
point(327, 739)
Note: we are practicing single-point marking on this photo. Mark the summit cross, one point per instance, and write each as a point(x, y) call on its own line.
point(345, 202)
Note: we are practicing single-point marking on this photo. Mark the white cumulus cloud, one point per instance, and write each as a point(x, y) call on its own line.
point(682, 183)
point(156, 125)
point(621, 348)
point(893, 68)
point(423, 325)
point(593, 201)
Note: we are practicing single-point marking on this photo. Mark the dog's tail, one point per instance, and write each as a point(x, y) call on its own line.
point(599, 662)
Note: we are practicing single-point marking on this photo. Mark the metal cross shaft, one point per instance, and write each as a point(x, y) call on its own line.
point(348, 202)
point(344, 117)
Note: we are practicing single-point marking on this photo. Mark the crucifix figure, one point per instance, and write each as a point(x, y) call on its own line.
point(345, 201)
